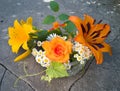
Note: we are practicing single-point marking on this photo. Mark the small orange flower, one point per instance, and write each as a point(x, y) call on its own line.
point(92, 35)
point(58, 49)
point(57, 25)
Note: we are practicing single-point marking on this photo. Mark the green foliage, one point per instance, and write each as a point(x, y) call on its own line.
point(31, 44)
point(42, 35)
point(70, 28)
point(63, 17)
point(55, 70)
point(57, 31)
point(34, 28)
point(54, 6)
point(49, 19)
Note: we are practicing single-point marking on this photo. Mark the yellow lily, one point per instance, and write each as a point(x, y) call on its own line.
point(19, 36)
point(22, 56)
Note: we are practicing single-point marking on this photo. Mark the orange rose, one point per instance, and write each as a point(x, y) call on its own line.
point(57, 49)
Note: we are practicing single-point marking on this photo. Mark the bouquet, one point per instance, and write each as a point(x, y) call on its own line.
point(71, 41)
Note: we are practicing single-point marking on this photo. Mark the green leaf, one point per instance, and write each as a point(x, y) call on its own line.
point(42, 35)
point(63, 17)
point(56, 70)
point(31, 44)
point(70, 28)
point(57, 31)
point(49, 19)
point(54, 6)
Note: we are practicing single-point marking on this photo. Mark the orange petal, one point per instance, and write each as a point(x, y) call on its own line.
point(88, 19)
point(106, 48)
point(106, 31)
point(99, 32)
point(98, 55)
point(79, 38)
point(46, 45)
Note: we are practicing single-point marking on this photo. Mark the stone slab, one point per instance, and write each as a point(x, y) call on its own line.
point(98, 79)
point(8, 84)
point(2, 72)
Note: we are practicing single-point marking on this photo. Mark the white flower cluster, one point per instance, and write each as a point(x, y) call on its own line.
point(53, 35)
point(40, 56)
point(83, 52)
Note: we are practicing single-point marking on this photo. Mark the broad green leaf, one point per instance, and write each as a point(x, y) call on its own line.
point(31, 44)
point(56, 70)
point(54, 6)
point(42, 35)
point(49, 19)
point(63, 17)
point(70, 28)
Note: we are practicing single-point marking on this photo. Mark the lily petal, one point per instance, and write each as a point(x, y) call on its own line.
point(22, 56)
point(29, 20)
point(98, 55)
point(106, 48)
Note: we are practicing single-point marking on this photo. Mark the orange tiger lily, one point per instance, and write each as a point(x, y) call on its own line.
point(92, 35)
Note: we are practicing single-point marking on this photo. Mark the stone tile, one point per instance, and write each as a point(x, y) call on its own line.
point(32, 67)
point(8, 84)
point(2, 71)
point(98, 79)
point(5, 50)
point(112, 62)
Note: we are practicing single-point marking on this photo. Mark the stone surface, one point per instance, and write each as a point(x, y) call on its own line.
point(8, 84)
point(103, 77)
point(2, 73)
point(98, 79)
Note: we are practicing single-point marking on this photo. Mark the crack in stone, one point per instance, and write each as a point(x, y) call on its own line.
point(6, 69)
point(2, 79)
point(80, 76)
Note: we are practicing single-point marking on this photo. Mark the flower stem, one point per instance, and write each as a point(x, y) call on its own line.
point(27, 75)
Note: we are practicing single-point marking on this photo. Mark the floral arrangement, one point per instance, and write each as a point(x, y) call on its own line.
point(71, 40)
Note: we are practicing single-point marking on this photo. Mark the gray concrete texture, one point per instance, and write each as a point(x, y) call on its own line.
point(105, 77)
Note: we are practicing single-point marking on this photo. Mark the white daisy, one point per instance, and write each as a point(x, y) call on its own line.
point(34, 52)
point(51, 36)
point(45, 62)
point(42, 59)
point(39, 43)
